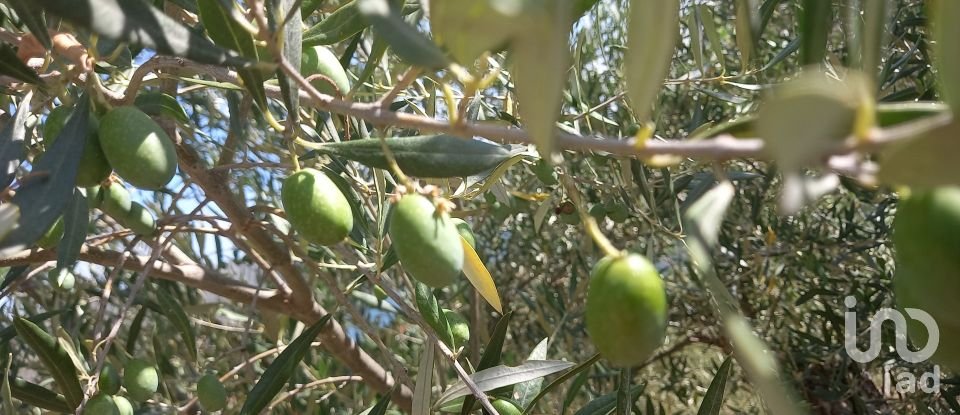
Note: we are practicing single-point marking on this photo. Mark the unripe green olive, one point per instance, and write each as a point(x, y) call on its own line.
point(926, 239)
point(426, 241)
point(211, 393)
point(123, 405)
point(459, 327)
point(141, 379)
point(94, 167)
point(316, 208)
point(109, 381)
point(101, 404)
point(137, 148)
point(505, 407)
point(320, 60)
point(626, 309)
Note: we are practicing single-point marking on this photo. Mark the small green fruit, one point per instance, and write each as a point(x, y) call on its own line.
point(137, 148)
point(63, 278)
point(465, 231)
point(115, 201)
point(459, 327)
point(211, 393)
point(101, 404)
point(316, 208)
point(626, 309)
point(426, 240)
point(141, 379)
point(320, 60)
point(926, 236)
point(109, 381)
point(53, 235)
point(505, 407)
point(123, 405)
point(94, 167)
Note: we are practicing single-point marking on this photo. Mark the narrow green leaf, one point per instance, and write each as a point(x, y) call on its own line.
point(423, 388)
point(277, 374)
point(923, 162)
point(491, 355)
point(160, 104)
point(578, 369)
point(36, 395)
point(9, 217)
point(32, 17)
point(173, 310)
point(8, 333)
point(467, 28)
point(431, 312)
point(943, 19)
point(540, 53)
point(651, 39)
point(12, 66)
point(574, 388)
point(12, 148)
point(337, 27)
point(75, 219)
point(291, 46)
point(219, 22)
point(501, 376)
point(381, 407)
point(747, 30)
point(606, 403)
point(876, 16)
point(713, 34)
point(377, 50)
point(696, 36)
point(54, 358)
point(142, 24)
point(133, 335)
point(524, 392)
point(713, 400)
point(408, 43)
point(6, 396)
point(43, 197)
point(816, 23)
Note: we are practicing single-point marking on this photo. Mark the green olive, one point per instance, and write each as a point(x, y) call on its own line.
point(316, 208)
point(426, 241)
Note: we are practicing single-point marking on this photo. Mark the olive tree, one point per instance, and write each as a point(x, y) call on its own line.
point(380, 206)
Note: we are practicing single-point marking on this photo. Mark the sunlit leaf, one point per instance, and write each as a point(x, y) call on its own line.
point(500, 376)
point(651, 39)
point(479, 277)
point(712, 402)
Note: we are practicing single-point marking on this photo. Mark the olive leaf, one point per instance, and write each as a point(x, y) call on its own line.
point(541, 58)
point(54, 357)
point(580, 369)
point(36, 395)
point(220, 24)
point(606, 403)
point(160, 104)
point(12, 66)
point(409, 44)
point(433, 156)
point(747, 30)
point(340, 25)
point(946, 31)
point(424, 385)
point(47, 191)
point(526, 391)
point(467, 28)
point(12, 148)
point(277, 374)
point(925, 161)
point(500, 376)
point(479, 276)
point(651, 39)
point(140, 23)
point(713, 400)
point(816, 23)
point(76, 217)
point(32, 17)
point(490, 358)
point(173, 310)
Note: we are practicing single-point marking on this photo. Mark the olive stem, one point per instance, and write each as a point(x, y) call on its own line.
point(592, 228)
point(623, 392)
